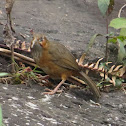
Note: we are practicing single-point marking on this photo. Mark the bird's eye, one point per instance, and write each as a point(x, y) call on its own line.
point(41, 39)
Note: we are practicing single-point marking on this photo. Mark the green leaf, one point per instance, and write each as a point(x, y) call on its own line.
point(124, 62)
point(38, 71)
point(118, 23)
point(35, 67)
point(32, 74)
point(121, 50)
point(113, 40)
point(92, 40)
point(119, 82)
point(124, 42)
point(123, 32)
point(104, 66)
point(2, 74)
point(122, 38)
point(103, 6)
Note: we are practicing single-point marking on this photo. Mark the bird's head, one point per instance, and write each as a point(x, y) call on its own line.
point(38, 45)
point(38, 40)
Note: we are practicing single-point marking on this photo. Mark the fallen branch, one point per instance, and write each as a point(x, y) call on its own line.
point(17, 56)
point(6, 51)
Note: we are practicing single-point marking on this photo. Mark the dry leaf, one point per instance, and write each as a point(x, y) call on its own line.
point(81, 60)
point(117, 68)
point(91, 65)
point(122, 71)
point(17, 44)
point(111, 69)
point(113, 80)
point(23, 46)
point(97, 64)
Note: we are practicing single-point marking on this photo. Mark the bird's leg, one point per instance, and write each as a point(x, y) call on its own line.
point(51, 92)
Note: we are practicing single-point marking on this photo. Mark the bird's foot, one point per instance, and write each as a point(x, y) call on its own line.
point(51, 92)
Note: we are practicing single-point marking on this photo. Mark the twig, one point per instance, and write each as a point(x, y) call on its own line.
point(6, 51)
point(18, 58)
point(3, 46)
point(12, 58)
point(78, 80)
point(121, 10)
point(22, 35)
point(8, 7)
point(9, 29)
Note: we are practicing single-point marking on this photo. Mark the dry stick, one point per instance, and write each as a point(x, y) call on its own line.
point(15, 48)
point(79, 80)
point(121, 10)
point(12, 58)
point(76, 81)
point(8, 7)
point(106, 50)
point(18, 58)
point(6, 51)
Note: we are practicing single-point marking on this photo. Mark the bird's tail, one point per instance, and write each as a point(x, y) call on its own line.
point(91, 84)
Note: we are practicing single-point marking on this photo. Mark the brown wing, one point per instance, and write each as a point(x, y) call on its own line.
point(62, 56)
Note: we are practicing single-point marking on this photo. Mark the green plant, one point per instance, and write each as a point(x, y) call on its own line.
point(106, 7)
point(120, 39)
point(24, 74)
point(3, 74)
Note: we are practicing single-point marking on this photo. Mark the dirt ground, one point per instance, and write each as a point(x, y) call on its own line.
point(71, 22)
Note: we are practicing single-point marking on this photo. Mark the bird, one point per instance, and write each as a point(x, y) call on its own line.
point(58, 62)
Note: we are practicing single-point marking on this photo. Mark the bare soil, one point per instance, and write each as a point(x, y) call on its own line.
point(71, 22)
